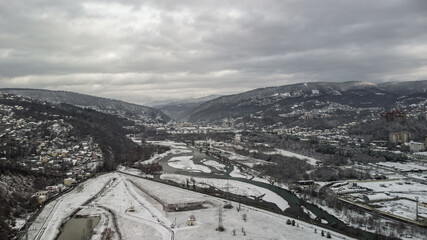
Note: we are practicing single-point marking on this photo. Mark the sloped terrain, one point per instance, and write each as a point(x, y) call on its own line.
point(319, 100)
point(116, 107)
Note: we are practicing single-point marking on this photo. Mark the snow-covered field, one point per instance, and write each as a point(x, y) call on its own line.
point(171, 144)
point(364, 221)
point(176, 147)
point(403, 208)
point(185, 162)
point(386, 197)
point(399, 188)
point(247, 161)
point(146, 219)
point(285, 153)
point(237, 173)
point(232, 186)
point(260, 224)
point(151, 221)
point(218, 166)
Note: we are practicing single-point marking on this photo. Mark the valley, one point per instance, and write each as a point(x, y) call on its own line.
point(321, 165)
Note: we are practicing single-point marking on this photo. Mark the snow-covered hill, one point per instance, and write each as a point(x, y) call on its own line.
point(116, 107)
point(319, 99)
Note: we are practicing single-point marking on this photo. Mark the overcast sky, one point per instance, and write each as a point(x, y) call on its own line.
point(142, 51)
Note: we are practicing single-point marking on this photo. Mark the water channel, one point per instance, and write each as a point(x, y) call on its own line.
point(79, 228)
point(295, 204)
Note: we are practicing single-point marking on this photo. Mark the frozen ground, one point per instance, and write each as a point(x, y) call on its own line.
point(185, 162)
point(146, 220)
point(362, 221)
point(407, 166)
point(218, 166)
point(151, 221)
point(285, 153)
point(171, 144)
point(232, 186)
point(403, 208)
point(237, 173)
point(259, 225)
point(134, 171)
point(400, 188)
point(47, 224)
point(176, 148)
point(247, 161)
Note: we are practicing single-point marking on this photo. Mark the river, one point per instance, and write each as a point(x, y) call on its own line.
point(295, 203)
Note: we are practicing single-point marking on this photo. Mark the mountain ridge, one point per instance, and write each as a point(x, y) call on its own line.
point(271, 102)
point(113, 106)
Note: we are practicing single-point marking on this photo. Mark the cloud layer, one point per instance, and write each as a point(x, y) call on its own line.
point(141, 51)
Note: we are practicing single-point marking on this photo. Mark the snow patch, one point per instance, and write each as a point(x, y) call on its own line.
point(285, 153)
point(232, 186)
point(185, 162)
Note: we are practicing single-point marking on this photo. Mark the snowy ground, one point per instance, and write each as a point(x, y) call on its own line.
point(247, 161)
point(171, 144)
point(259, 225)
point(403, 208)
point(185, 162)
point(399, 188)
point(391, 193)
point(134, 171)
point(176, 148)
point(358, 220)
point(218, 166)
point(47, 224)
point(238, 174)
point(232, 186)
point(285, 153)
point(407, 166)
point(145, 220)
point(151, 221)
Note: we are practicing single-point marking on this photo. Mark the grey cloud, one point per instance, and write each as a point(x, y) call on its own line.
point(149, 50)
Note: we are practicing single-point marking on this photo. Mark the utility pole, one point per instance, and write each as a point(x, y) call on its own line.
point(220, 226)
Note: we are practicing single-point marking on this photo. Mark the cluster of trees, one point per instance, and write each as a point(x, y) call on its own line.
point(4, 213)
point(106, 130)
point(358, 217)
point(16, 199)
point(387, 156)
point(285, 169)
point(380, 129)
point(150, 168)
point(336, 173)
